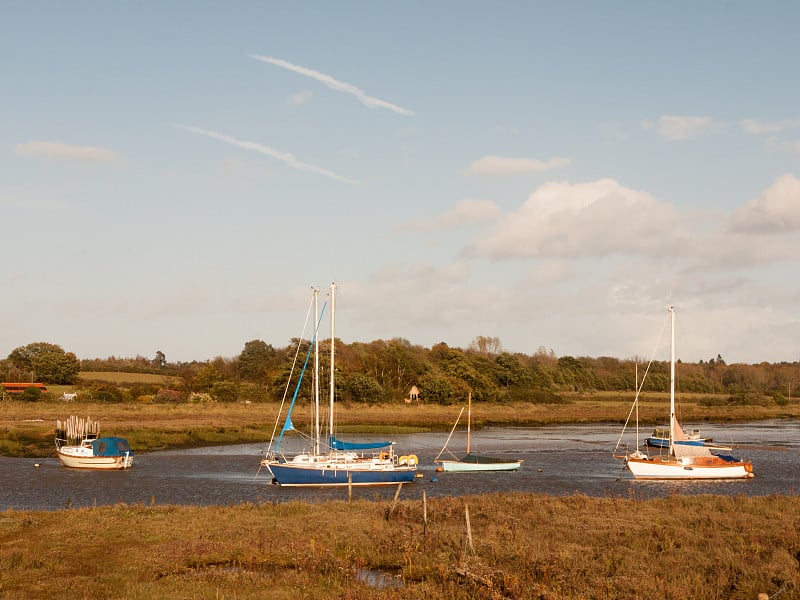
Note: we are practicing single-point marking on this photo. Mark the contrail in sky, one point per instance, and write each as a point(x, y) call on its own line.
point(288, 159)
point(334, 84)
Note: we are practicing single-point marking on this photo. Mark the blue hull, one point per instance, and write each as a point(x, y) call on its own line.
point(285, 474)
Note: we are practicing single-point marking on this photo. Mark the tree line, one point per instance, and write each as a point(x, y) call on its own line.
point(385, 370)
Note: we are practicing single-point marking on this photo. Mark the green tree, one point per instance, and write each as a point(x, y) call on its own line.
point(255, 361)
point(206, 377)
point(55, 367)
point(160, 361)
point(46, 362)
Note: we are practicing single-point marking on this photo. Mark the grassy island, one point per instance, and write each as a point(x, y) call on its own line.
point(515, 546)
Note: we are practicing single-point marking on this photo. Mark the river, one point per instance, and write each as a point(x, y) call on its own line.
point(559, 460)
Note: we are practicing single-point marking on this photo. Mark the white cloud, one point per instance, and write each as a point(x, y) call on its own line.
point(334, 84)
point(675, 127)
point(775, 210)
point(757, 127)
point(498, 166)
point(466, 212)
point(286, 158)
point(300, 98)
point(599, 218)
point(58, 151)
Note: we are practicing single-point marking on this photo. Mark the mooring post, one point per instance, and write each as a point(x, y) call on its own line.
point(394, 503)
point(469, 529)
point(349, 487)
point(424, 514)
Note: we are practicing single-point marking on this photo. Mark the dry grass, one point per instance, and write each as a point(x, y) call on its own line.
point(524, 546)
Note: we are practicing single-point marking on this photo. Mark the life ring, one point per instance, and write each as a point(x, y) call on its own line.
point(384, 455)
point(403, 460)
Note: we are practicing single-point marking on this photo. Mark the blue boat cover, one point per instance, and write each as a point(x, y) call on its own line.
point(340, 445)
point(111, 446)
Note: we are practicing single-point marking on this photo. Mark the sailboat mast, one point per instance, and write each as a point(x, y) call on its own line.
point(469, 418)
point(671, 378)
point(316, 371)
point(333, 348)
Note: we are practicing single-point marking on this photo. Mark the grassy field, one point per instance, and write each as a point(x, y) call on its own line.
point(120, 378)
point(512, 546)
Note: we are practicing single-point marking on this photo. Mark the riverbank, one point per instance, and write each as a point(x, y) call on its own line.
point(28, 428)
point(492, 546)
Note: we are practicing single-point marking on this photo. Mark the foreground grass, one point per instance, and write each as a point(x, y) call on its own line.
point(523, 546)
point(27, 429)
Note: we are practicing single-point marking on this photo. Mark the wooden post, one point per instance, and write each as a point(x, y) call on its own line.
point(424, 514)
point(349, 487)
point(394, 503)
point(469, 530)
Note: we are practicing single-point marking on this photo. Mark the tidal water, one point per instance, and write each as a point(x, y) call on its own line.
point(559, 460)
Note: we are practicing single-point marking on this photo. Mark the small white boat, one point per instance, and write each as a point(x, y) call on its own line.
point(473, 462)
point(109, 453)
point(661, 437)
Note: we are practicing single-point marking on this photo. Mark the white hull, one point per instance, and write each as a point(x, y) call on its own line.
point(662, 468)
point(456, 466)
point(71, 456)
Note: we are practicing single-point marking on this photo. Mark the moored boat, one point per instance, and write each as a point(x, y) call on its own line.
point(340, 463)
point(473, 462)
point(660, 438)
point(79, 446)
point(107, 453)
point(683, 461)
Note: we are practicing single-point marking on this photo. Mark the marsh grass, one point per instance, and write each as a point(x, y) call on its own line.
point(525, 546)
point(27, 428)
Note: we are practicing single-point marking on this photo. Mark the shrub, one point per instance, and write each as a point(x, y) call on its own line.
point(747, 399)
point(167, 396)
point(253, 392)
point(100, 392)
point(225, 391)
point(31, 394)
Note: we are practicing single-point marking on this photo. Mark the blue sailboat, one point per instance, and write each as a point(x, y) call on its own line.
point(335, 463)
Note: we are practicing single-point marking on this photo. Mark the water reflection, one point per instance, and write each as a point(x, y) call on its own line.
point(559, 460)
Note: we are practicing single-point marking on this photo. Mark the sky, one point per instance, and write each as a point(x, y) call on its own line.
point(176, 176)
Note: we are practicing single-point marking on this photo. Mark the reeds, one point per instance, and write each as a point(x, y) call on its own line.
point(523, 546)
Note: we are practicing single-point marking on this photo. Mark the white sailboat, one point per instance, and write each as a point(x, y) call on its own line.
point(79, 446)
point(473, 462)
point(683, 460)
point(340, 463)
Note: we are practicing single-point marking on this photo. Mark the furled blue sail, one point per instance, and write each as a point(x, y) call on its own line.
point(340, 445)
point(287, 424)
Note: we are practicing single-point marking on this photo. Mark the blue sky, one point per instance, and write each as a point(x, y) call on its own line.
point(177, 175)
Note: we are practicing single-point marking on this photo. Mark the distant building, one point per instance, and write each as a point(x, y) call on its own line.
point(15, 389)
point(413, 395)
